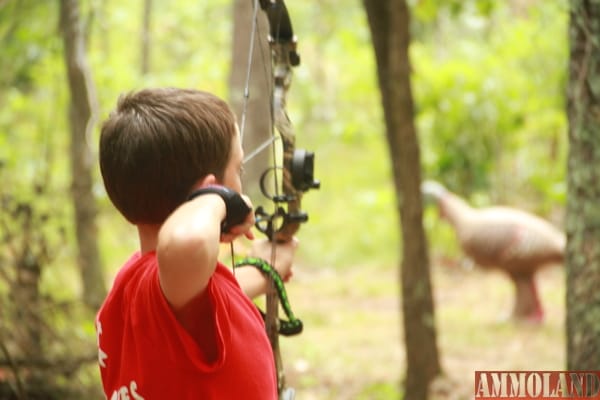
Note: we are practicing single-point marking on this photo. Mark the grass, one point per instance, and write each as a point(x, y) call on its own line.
point(352, 346)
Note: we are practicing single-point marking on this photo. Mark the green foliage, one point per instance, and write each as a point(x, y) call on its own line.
point(336, 77)
point(38, 301)
point(489, 91)
point(186, 49)
point(488, 82)
point(427, 12)
point(488, 117)
point(25, 41)
point(490, 95)
point(335, 106)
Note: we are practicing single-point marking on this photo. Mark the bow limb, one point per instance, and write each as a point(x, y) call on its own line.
point(296, 168)
point(283, 51)
point(298, 164)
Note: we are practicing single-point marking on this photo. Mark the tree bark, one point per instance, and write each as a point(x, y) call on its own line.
point(146, 37)
point(389, 24)
point(82, 120)
point(583, 175)
point(253, 111)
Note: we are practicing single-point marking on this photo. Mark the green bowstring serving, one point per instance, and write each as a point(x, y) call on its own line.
point(291, 326)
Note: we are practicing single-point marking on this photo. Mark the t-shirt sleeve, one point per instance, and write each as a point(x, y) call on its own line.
point(151, 313)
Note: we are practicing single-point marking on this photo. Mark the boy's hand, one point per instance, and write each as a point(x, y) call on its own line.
point(239, 216)
point(233, 227)
point(284, 255)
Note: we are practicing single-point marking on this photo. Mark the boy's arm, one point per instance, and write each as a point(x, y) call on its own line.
point(187, 248)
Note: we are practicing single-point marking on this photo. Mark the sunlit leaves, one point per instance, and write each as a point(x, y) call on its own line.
point(24, 40)
point(487, 92)
point(487, 80)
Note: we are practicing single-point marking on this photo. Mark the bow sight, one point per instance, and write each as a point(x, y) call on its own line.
point(303, 165)
point(301, 178)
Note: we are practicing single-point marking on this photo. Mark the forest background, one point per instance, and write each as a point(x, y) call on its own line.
point(489, 82)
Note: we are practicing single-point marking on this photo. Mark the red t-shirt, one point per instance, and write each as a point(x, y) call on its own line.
point(145, 353)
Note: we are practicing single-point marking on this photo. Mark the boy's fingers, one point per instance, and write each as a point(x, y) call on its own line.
point(238, 230)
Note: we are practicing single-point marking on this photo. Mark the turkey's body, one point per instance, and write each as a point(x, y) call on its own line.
point(517, 242)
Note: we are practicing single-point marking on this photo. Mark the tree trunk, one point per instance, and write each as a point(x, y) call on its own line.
point(146, 36)
point(22, 328)
point(583, 175)
point(254, 112)
point(81, 117)
point(389, 24)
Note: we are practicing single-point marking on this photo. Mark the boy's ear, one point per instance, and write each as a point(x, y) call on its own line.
point(208, 180)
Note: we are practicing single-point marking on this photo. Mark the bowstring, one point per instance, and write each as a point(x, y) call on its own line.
point(249, 70)
point(246, 100)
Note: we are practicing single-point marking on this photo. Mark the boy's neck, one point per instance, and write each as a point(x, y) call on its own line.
point(148, 235)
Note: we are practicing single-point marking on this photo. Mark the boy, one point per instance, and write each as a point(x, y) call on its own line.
point(177, 324)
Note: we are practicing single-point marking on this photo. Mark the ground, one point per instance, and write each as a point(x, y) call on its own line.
point(352, 346)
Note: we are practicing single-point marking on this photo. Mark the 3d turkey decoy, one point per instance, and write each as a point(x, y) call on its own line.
point(512, 240)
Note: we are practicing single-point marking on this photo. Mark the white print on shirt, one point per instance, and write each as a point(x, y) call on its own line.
point(125, 393)
point(101, 354)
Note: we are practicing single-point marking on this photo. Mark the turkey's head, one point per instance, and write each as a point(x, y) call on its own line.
point(434, 192)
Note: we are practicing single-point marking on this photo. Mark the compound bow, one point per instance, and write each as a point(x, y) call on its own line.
point(296, 172)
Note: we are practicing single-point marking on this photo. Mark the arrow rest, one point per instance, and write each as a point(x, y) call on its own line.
point(265, 222)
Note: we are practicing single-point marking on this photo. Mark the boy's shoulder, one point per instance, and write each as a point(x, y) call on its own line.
point(135, 264)
point(131, 272)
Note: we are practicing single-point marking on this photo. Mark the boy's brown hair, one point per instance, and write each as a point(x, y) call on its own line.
point(157, 144)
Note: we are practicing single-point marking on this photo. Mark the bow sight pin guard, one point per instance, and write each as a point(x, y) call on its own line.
point(303, 165)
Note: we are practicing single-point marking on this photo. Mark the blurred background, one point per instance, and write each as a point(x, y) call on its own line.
point(489, 85)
